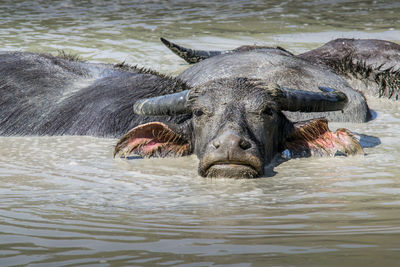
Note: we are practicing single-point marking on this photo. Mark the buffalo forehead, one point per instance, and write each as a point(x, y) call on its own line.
point(232, 93)
point(268, 66)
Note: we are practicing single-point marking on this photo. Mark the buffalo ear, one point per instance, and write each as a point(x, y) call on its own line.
point(313, 138)
point(153, 139)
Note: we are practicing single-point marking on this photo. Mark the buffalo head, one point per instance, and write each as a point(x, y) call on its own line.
point(236, 125)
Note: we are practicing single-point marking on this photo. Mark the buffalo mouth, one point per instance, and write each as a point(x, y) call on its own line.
point(232, 169)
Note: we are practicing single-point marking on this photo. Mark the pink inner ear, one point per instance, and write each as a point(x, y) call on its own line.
point(314, 138)
point(152, 139)
point(146, 144)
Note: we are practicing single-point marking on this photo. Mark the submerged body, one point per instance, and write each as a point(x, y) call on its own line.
point(370, 66)
point(46, 95)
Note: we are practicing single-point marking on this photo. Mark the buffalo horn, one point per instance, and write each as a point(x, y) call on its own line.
point(189, 55)
point(305, 101)
point(171, 104)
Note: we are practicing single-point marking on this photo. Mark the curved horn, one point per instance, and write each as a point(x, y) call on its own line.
point(305, 101)
point(189, 55)
point(171, 104)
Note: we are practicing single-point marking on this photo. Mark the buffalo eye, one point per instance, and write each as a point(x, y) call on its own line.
point(267, 112)
point(198, 112)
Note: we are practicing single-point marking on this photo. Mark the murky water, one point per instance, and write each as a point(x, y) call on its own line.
point(65, 201)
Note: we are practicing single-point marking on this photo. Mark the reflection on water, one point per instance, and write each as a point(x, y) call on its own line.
point(65, 201)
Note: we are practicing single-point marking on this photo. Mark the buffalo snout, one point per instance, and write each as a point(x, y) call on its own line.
point(231, 155)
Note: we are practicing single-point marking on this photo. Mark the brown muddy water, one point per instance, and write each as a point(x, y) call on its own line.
point(64, 201)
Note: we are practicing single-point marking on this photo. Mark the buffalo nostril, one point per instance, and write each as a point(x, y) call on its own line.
point(244, 144)
point(216, 144)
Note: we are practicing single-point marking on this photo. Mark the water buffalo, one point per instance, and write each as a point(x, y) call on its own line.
point(243, 110)
point(234, 121)
point(237, 126)
point(368, 65)
point(46, 95)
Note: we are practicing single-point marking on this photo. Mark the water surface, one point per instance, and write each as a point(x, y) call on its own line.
point(65, 201)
